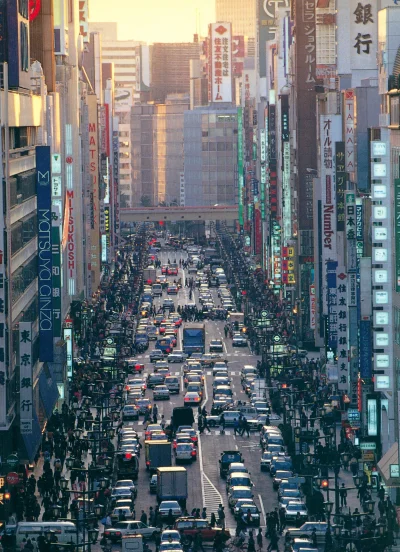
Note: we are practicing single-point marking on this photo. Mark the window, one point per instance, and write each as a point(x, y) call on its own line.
point(397, 325)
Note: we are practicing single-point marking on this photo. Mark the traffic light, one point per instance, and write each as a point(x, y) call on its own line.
point(325, 484)
point(7, 496)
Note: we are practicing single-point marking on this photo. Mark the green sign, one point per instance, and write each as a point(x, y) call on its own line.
point(397, 231)
point(276, 338)
point(264, 314)
point(240, 164)
point(12, 460)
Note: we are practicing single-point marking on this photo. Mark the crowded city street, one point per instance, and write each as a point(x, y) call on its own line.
point(256, 437)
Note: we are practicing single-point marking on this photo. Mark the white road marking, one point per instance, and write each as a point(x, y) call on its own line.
point(262, 509)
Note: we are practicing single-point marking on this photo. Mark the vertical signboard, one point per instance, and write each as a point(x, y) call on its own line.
point(397, 232)
point(93, 171)
point(220, 44)
point(365, 349)
point(69, 229)
point(349, 137)
point(343, 330)
point(56, 260)
point(26, 405)
point(45, 262)
point(363, 34)
point(3, 332)
point(273, 182)
point(267, 17)
point(84, 19)
point(313, 307)
point(332, 305)
point(68, 338)
point(340, 185)
point(116, 215)
point(240, 165)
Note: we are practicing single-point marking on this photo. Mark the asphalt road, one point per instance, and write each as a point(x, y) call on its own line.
point(206, 488)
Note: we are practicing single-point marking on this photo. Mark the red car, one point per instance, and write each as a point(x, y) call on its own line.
point(172, 271)
point(189, 527)
point(164, 269)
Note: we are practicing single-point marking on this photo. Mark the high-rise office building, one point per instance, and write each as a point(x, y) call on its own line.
point(170, 68)
point(241, 14)
point(210, 156)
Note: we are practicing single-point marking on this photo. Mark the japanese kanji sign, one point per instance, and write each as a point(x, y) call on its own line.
point(363, 33)
point(220, 87)
point(342, 329)
point(26, 378)
point(309, 53)
point(3, 372)
point(340, 186)
point(349, 130)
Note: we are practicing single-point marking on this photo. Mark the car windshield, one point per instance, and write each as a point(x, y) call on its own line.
point(295, 507)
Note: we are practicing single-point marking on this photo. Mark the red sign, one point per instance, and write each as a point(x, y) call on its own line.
point(69, 159)
point(12, 478)
point(34, 9)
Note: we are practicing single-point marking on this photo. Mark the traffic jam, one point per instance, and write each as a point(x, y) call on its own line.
point(202, 460)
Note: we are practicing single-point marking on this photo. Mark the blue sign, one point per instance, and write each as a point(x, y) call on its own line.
point(332, 304)
point(365, 349)
point(45, 263)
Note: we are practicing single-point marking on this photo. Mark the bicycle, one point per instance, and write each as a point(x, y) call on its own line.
point(236, 544)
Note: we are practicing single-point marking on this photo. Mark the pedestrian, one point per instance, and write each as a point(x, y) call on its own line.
point(213, 520)
point(204, 513)
point(273, 545)
point(143, 517)
point(205, 422)
point(343, 495)
point(251, 545)
point(235, 426)
point(222, 424)
point(221, 516)
point(259, 539)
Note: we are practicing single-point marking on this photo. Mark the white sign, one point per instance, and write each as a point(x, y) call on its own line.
point(68, 340)
point(363, 34)
point(349, 139)
point(220, 87)
point(342, 283)
point(26, 405)
point(123, 100)
point(313, 307)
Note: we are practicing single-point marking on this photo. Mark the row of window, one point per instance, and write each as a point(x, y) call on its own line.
point(22, 232)
point(23, 277)
point(22, 187)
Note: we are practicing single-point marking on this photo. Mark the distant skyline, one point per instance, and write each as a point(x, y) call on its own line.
point(155, 20)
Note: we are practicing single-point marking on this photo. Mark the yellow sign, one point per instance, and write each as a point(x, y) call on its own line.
point(290, 251)
point(290, 265)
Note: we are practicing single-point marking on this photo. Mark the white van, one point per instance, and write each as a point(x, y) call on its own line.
point(172, 382)
point(65, 531)
point(132, 543)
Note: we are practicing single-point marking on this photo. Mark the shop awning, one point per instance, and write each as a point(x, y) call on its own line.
point(30, 443)
point(48, 389)
point(388, 459)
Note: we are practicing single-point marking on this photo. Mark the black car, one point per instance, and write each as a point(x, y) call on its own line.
point(155, 379)
point(227, 457)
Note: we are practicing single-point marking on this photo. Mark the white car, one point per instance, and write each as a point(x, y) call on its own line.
point(167, 505)
point(126, 483)
point(170, 545)
point(185, 452)
point(170, 535)
point(160, 392)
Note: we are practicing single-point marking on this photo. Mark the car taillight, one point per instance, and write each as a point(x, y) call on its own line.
point(193, 453)
point(147, 463)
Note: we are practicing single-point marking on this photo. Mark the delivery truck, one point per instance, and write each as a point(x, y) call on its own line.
point(149, 275)
point(158, 455)
point(194, 338)
point(172, 484)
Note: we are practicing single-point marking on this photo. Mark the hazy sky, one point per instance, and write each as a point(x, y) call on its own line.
point(154, 20)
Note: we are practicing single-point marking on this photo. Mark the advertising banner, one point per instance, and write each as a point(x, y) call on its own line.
point(94, 263)
point(3, 327)
point(123, 100)
point(45, 261)
point(313, 307)
point(56, 260)
point(340, 185)
point(68, 338)
point(342, 329)
point(273, 182)
point(397, 231)
point(349, 137)
point(240, 165)
point(26, 405)
point(365, 354)
point(267, 17)
point(221, 62)
point(332, 305)
point(116, 214)
point(363, 34)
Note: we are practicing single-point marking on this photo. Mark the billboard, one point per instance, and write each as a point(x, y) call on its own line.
point(363, 34)
point(397, 232)
point(56, 256)
point(45, 261)
point(26, 405)
point(220, 89)
point(123, 100)
point(340, 185)
point(94, 262)
point(342, 329)
point(267, 26)
point(238, 47)
point(349, 137)
point(240, 166)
